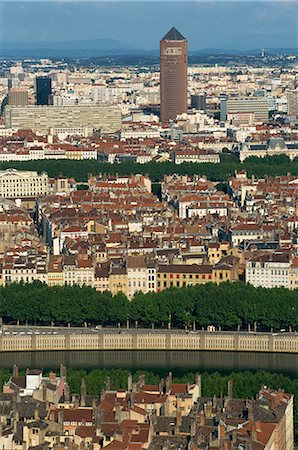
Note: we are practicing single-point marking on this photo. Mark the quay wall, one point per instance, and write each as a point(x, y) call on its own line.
point(146, 340)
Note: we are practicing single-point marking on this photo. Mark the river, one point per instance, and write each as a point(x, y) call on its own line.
point(161, 362)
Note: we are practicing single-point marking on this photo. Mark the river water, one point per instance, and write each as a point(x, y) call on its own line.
point(160, 362)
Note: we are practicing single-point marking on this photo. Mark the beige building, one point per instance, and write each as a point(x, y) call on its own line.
point(78, 272)
point(293, 274)
point(118, 280)
point(19, 184)
point(292, 98)
point(18, 97)
point(55, 271)
point(64, 119)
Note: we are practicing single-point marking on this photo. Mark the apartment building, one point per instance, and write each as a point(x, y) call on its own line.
point(245, 232)
point(20, 184)
point(118, 281)
point(78, 271)
point(178, 275)
point(293, 274)
point(64, 119)
point(258, 107)
point(269, 270)
point(24, 267)
point(141, 275)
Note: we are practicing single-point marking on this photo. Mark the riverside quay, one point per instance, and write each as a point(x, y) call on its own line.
point(17, 338)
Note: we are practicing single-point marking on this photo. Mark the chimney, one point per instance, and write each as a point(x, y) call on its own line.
point(97, 420)
point(118, 412)
point(108, 383)
point(221, 432)
point(141, 380)
point(15, 371)
point(83, 393)
point(199, 384)
point(16, 418)
point(52, 376)
point(66, 393)
point(14, 402)
point(230, 389)
point(162, 386)
point(254, 432)
point(250, 412)
point(169, 382)
point(202, 418)
point(44, 393)
point(129, 382)
point(63, 371)
point(132, 398)
point(60, 417)
point(36, 413)
point(193, 427)
point(178, 418)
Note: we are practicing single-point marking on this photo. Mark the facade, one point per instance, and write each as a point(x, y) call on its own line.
point(43, 90)
point(258, 106)
point(179, 275)
point(198, 101)
point(292, 98)
point(18, 97)
point(268, 270)
point(173, 75)
point(64, 119)
point(22, 184)
point(274, 146)
point(118, 281)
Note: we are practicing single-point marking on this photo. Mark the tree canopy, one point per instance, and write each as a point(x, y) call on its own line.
point(228, 305)
point(81, 170)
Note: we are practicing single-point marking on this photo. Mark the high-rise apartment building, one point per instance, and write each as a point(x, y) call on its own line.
point(292, 98)
point(18, 97)
point(173, 75)
point(198, 101)
point(43, 90)
point(244, 109)
point(64, 119)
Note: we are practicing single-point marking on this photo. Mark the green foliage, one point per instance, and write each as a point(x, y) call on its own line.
point(3, 104)
point(228, 306)
point(80, 170)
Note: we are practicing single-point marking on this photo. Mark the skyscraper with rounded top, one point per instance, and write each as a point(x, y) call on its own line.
point(173, 75)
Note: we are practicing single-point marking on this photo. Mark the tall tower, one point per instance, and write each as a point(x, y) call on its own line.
point(173, 75)
point(43, 90)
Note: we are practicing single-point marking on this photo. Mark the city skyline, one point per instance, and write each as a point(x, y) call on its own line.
point(235, 25)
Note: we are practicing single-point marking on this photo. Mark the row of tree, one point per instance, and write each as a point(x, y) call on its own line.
point(81, 170)
point(229, 306)
point(245, 384)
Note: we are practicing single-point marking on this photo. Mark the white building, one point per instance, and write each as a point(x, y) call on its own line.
point(268, 270)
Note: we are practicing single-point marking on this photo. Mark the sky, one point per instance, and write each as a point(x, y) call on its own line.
point(206, 24)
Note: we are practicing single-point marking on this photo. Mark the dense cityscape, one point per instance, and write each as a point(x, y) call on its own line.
point(148, 204)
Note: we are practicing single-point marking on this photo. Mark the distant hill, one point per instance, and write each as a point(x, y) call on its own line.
point(109, 47)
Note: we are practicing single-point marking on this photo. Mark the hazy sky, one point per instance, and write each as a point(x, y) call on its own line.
point(206, 24)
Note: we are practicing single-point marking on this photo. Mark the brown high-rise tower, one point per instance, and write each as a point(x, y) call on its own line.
point(173, 75)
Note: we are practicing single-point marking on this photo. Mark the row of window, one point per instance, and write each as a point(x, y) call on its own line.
point(184, 276)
